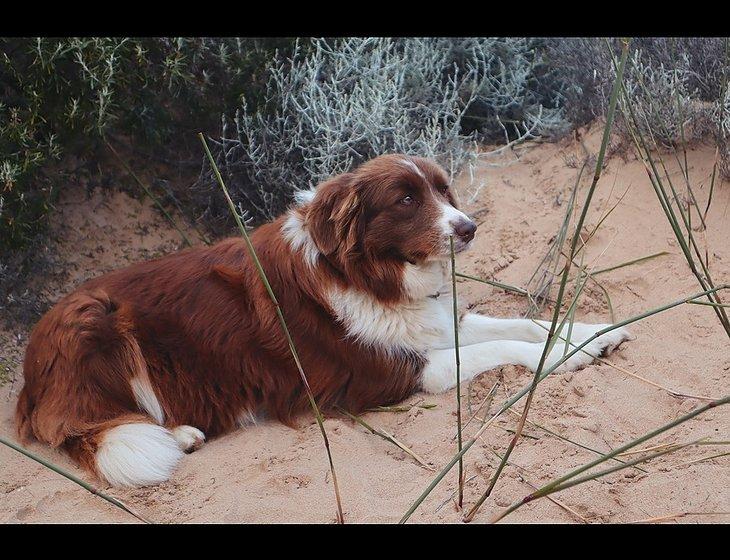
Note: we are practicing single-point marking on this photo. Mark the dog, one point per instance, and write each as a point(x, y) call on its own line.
point(140, 365)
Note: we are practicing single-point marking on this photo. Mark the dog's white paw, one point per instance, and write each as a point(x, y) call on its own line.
point(611, 340)
point(598, 348)
point(188, 438)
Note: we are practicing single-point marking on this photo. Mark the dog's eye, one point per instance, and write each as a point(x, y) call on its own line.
point(442, 189)
point(407, 200)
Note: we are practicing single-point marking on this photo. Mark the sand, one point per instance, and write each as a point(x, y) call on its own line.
point(271, 473)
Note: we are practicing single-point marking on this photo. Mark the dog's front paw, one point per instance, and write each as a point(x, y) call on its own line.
point(611, 340)
point(598, 348)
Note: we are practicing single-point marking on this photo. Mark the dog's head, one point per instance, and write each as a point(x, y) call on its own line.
point(393, 207)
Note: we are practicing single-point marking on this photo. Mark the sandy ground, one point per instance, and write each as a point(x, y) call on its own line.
point(270, 473)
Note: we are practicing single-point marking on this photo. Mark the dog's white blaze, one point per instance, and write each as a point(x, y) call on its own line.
point(450, 216)
point(137, 455)
point(414, 325)
point(409, 164)
point(146, 399)
point(299, 238)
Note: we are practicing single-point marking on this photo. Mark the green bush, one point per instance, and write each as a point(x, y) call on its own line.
point(65, 95)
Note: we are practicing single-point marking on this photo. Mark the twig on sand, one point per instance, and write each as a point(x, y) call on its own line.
point(387, 437)
point(672, 517)
point(85, 485)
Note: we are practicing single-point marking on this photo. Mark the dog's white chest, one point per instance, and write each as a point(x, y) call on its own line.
point(415, 325)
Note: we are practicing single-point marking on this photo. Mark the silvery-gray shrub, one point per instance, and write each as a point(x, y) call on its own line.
point(341, 102)
point(666, 107)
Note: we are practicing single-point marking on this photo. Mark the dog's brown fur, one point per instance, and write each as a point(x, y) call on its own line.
point(200, 328)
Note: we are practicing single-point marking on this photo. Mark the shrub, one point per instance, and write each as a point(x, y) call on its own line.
point(345, 101)
point(64, 95)
point(721, 114)
point(517, 91)
point(583, 76)
point(666, 107)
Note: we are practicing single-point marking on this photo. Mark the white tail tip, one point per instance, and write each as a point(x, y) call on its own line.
point(137, 455)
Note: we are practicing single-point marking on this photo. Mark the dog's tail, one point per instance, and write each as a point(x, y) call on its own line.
point(80, 366)
point(127, 451)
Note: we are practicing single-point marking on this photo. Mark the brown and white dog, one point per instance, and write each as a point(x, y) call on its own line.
point(142, 364)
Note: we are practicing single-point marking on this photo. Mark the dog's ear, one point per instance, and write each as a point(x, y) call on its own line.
point(332, 216)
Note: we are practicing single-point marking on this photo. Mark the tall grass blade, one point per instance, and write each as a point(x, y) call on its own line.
point(85, 485)
point(458, 370)
point(578, 228)
point(282, 322)
point(688, 245)
point(570, 441)
point(505, 287)
point(569, 480)
point(149, 193)
point(549, 263)
point(629, 263)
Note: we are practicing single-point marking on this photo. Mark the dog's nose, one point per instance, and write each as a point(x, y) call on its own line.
point(465, 229)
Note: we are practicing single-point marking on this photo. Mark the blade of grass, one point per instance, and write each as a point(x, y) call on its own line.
point(570, 441)
point(672, 392)
point(511, 431)
point(403, 408)
point(579, 226)
point(149, 193)
point(387, 437)
point(534, 487)
point(630, 263)
point(505, 287)
point(458, 371)
point(571, 313)
point(611, 314)
point(701, 442)
point(711, 304)
point(584, 242)
point(568, 480)
point(654, 177)
point(486, 402)
point(648, 161)
point(451, 497)
point(559, 503)
point(700, 460)
point(516, 397)
point(712, 183)
point(85, 485)
point(542, 291)
point(282, 323)
point(543, 492)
